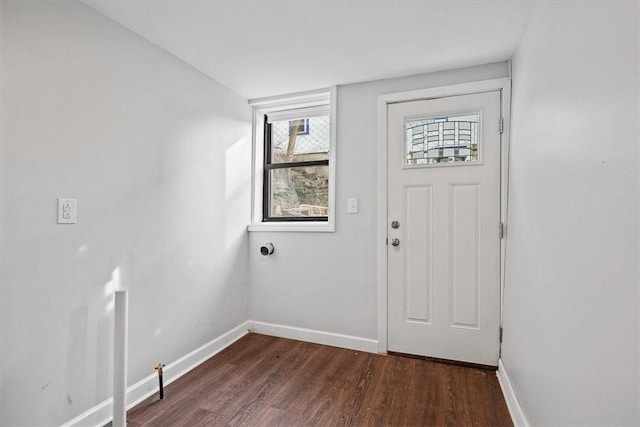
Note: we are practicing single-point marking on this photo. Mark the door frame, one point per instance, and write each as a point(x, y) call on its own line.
point(501, 84)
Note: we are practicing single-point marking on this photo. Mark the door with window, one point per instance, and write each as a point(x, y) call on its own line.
point(443, 231)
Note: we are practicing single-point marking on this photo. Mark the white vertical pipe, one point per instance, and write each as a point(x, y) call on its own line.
point(120, 359)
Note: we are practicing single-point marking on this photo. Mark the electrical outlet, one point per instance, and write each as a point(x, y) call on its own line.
point(67, 211)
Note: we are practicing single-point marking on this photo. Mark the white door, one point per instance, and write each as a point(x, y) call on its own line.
point(444, 250)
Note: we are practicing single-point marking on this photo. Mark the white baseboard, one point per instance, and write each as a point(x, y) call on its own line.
point(515, 410)
point(314, 336)
point(102, 413)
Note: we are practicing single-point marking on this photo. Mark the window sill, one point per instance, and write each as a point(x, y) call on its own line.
point(305, 227)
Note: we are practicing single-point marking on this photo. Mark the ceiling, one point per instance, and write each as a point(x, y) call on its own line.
point(262, 48)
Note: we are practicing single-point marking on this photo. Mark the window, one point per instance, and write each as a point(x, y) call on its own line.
point(299, 127)
point(296, 168)
point(294, 164)
point(437, 140)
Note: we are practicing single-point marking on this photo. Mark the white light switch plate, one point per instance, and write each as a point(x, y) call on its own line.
point(352, 206)
point(67, 211)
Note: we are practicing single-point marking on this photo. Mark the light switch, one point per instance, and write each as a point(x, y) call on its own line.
point(352, 206)
point(67, 211)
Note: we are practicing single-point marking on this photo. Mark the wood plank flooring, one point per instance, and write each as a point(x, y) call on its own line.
point(267, 381)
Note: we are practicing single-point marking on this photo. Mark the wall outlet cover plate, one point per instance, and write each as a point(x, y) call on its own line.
point(67, 211)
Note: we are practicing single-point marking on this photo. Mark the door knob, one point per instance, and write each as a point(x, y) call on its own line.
point(395, 242)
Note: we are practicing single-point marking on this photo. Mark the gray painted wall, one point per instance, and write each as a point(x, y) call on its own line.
point(158, 157)
point(571, 298)
point(328, 281)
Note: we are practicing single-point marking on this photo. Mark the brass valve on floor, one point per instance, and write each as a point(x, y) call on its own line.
point(158, 368)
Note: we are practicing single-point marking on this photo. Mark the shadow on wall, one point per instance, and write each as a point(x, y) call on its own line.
point(237, 181)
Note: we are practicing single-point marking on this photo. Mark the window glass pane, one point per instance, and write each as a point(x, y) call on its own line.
point(299, 191)
point(300, 140)
point(448, 139)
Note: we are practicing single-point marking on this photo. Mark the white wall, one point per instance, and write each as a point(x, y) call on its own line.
point(571, 298)
point(158, 156)
point(328, 281)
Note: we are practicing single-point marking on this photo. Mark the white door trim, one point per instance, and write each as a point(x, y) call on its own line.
point(504, 85)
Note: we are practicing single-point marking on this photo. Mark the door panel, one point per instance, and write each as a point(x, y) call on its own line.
point(418, 281)
point(464, 259)
point(444, 190)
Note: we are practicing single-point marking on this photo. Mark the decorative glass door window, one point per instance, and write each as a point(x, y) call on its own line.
point(436, 140)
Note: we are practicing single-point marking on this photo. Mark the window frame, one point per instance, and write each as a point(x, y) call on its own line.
point(321, 99)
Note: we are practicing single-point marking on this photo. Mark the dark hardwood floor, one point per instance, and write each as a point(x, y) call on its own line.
point(267, 381)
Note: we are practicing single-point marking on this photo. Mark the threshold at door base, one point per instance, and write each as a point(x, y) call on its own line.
point(445, 361)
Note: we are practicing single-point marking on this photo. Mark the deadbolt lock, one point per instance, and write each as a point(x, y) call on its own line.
point(395, 224)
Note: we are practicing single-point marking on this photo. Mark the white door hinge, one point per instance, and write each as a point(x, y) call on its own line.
point(501, 125)
point(501, 230)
